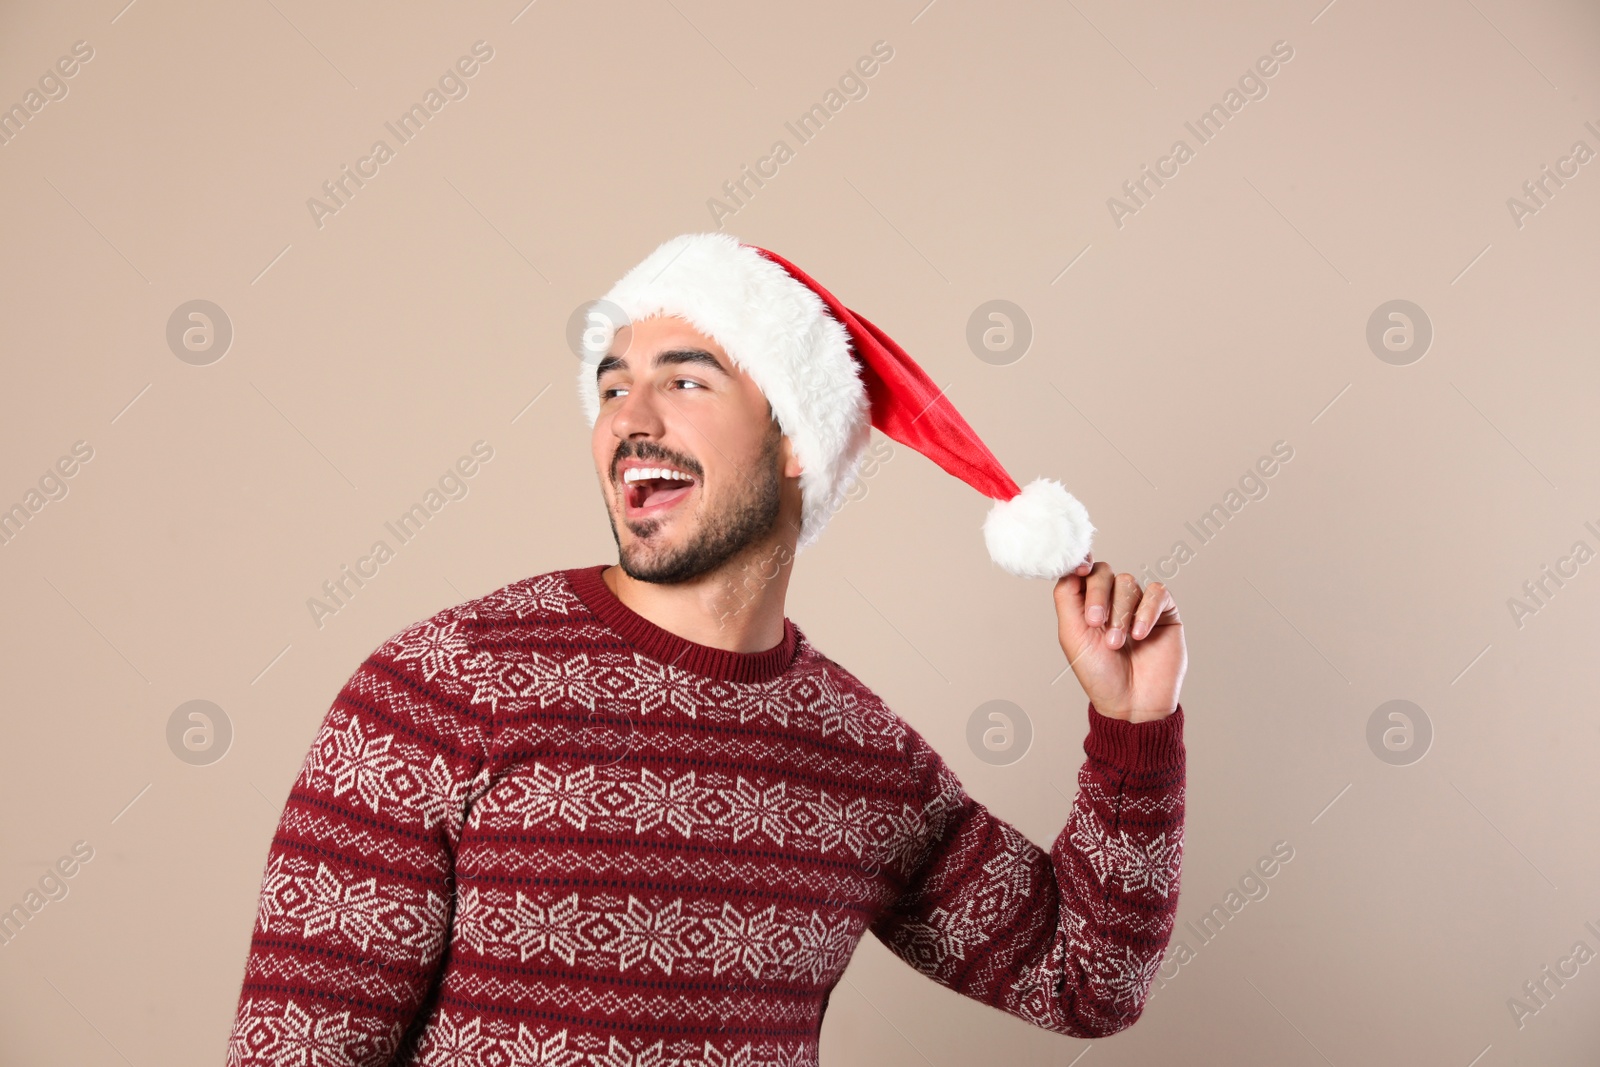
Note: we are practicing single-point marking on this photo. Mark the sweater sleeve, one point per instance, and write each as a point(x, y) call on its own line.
point(354, 907)
point(1069, 940)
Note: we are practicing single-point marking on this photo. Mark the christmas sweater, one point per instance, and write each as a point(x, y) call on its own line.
point(537, 828)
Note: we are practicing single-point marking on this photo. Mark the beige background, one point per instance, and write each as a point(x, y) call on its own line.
point(1229, 313)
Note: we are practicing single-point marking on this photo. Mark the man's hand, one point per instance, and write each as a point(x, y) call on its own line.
point(1125, 645)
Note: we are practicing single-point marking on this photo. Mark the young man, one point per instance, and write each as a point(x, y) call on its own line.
point(628, 815)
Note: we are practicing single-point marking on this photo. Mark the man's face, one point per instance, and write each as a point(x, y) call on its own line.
point(670, 398)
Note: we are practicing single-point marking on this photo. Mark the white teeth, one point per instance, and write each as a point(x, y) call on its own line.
point(636, 474)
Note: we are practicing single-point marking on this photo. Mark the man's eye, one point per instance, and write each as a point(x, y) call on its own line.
point(605, 394)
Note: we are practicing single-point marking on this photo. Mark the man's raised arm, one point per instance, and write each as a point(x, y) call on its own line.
point(1070, 939)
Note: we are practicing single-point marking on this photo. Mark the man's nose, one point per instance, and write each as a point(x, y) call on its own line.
point(638, 412)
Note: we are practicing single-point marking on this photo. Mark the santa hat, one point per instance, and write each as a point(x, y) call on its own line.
point(830, 376)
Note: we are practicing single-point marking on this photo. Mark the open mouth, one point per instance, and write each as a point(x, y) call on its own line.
point(648, 492)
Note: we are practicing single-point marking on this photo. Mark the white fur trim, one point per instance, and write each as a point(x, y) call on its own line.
point(773, 327)
point(1043, 532)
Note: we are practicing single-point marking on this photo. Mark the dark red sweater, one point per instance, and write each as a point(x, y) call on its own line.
point(537, 828)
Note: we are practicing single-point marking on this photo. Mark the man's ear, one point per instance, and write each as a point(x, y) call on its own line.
point(791, 462)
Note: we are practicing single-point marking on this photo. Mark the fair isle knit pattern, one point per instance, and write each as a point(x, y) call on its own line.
point(536, 828)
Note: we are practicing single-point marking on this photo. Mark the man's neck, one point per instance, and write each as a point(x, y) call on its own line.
point(738, 607)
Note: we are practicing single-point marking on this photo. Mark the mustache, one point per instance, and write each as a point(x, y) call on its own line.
point(650, 451)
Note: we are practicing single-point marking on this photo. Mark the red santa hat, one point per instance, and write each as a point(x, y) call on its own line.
point(830, 376)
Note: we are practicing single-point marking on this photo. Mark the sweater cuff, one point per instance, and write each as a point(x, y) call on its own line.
point(1136, 747)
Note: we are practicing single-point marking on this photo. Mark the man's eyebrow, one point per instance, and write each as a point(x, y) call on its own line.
point(668, 357)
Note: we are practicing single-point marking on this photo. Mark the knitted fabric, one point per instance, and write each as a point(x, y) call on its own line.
point(536, 828)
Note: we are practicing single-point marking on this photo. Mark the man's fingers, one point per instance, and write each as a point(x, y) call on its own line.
point(1114, 601)
point(1125, 600)
point(1097, 594)
point(1157, 600)
point(1069, 592)
point(1069, 607)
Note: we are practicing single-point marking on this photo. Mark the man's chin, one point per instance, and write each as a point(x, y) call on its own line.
point(655, 555)
point(652, 567)
point(652, 538)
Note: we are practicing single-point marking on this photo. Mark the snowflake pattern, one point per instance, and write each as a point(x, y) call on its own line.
point(1011, 869)
point(840, 823)
point(452, 1040)
point(1152, 863)
point(748, 941)
point(528, 1050)
point(754, 809)
point(354, 761)
point(435, 648)
point(946, 934)
point(655, 801)
point(640, 932)
point(429, 791)
point(541, 597)
point(295, 1036)
point(1120, 973)
point(547, 795)
point(617, 1055)
point(660, 688)
point(822, 949)
point(756, 701)
point(359, 913)
point(840, 710)
point(355, 910)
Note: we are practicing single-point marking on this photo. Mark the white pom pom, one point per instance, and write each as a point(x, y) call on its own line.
point(1043, 532)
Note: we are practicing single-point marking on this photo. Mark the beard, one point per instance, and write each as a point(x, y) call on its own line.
point(720, 533)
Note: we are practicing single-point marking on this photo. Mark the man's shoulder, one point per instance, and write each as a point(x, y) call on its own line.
point(450, 669)
point(844, 687)
point(812, 659)
point(546, 597)
point(522, 613)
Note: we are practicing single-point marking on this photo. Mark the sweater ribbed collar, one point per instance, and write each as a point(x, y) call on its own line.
point(667, 647)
